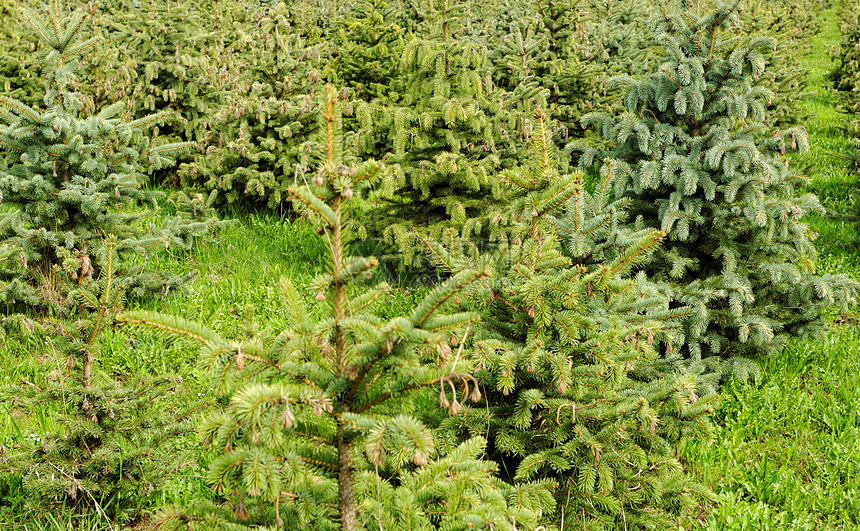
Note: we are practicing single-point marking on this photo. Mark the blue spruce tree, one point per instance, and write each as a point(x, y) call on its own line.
point(694, 155)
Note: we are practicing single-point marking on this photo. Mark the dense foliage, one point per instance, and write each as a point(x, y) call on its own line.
point(19, 78)
point(577, 323)
point(791, 24)
point(263, 131)
point(448, 133)
point(73, 241)
point(567, 358)
point(74, 180)
point(695, 156)
point(845, 75)
point(569, 49)
point(319, 420)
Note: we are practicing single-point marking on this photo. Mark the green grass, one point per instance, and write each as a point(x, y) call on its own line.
point(237, 284)
point(787, 451)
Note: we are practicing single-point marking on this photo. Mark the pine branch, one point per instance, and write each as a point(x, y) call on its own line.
point(441, 294)
point(16, 105)
point(173, 325)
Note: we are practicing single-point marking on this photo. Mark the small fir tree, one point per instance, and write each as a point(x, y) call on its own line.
point(846, 79)
point(148, 60)
point(694, 156)
point(570, 48)
point(450, 129)
point(264, 130)
point(69, 221)
point(320, 415)
point(73, 180)
point(99, 453)
point(845, 74)
point(575, 394)
point(19, 74)
point(167, 58)
point(536, 56)
point(367, 50)
point(792, 24)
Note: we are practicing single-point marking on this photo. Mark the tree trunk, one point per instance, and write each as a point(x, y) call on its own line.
point(88, 369)
point(345, 486)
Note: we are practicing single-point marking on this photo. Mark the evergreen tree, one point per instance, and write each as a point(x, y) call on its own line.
point(574, 391)
point(693, 154)
point(73, 180)
point(19, 75)
point(846, 77)
point(321, 413)
point(451, 130)
point(264, 130)
point(367, 50)
point(792, 24)
point(72, 237)
point(167, 58)
point(537, 56)
point(570, 48)
point(100, 457)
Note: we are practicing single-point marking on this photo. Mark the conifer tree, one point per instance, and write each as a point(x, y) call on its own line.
point(19, 75)
point(367, 50)
point(570, 48)
point(265, 127)
point(693, 154)
point(792, 24)
point(73, 181)
point(70, 218)
point(100, 457)
point(574, 391)
point(164, 57)
point(537, 55)
point(321, 416)
point(845, 78)
point(845, 74)
point(451, 130)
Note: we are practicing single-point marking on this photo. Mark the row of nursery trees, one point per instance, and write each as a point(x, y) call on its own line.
point(610, 204)
point(846, 80)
